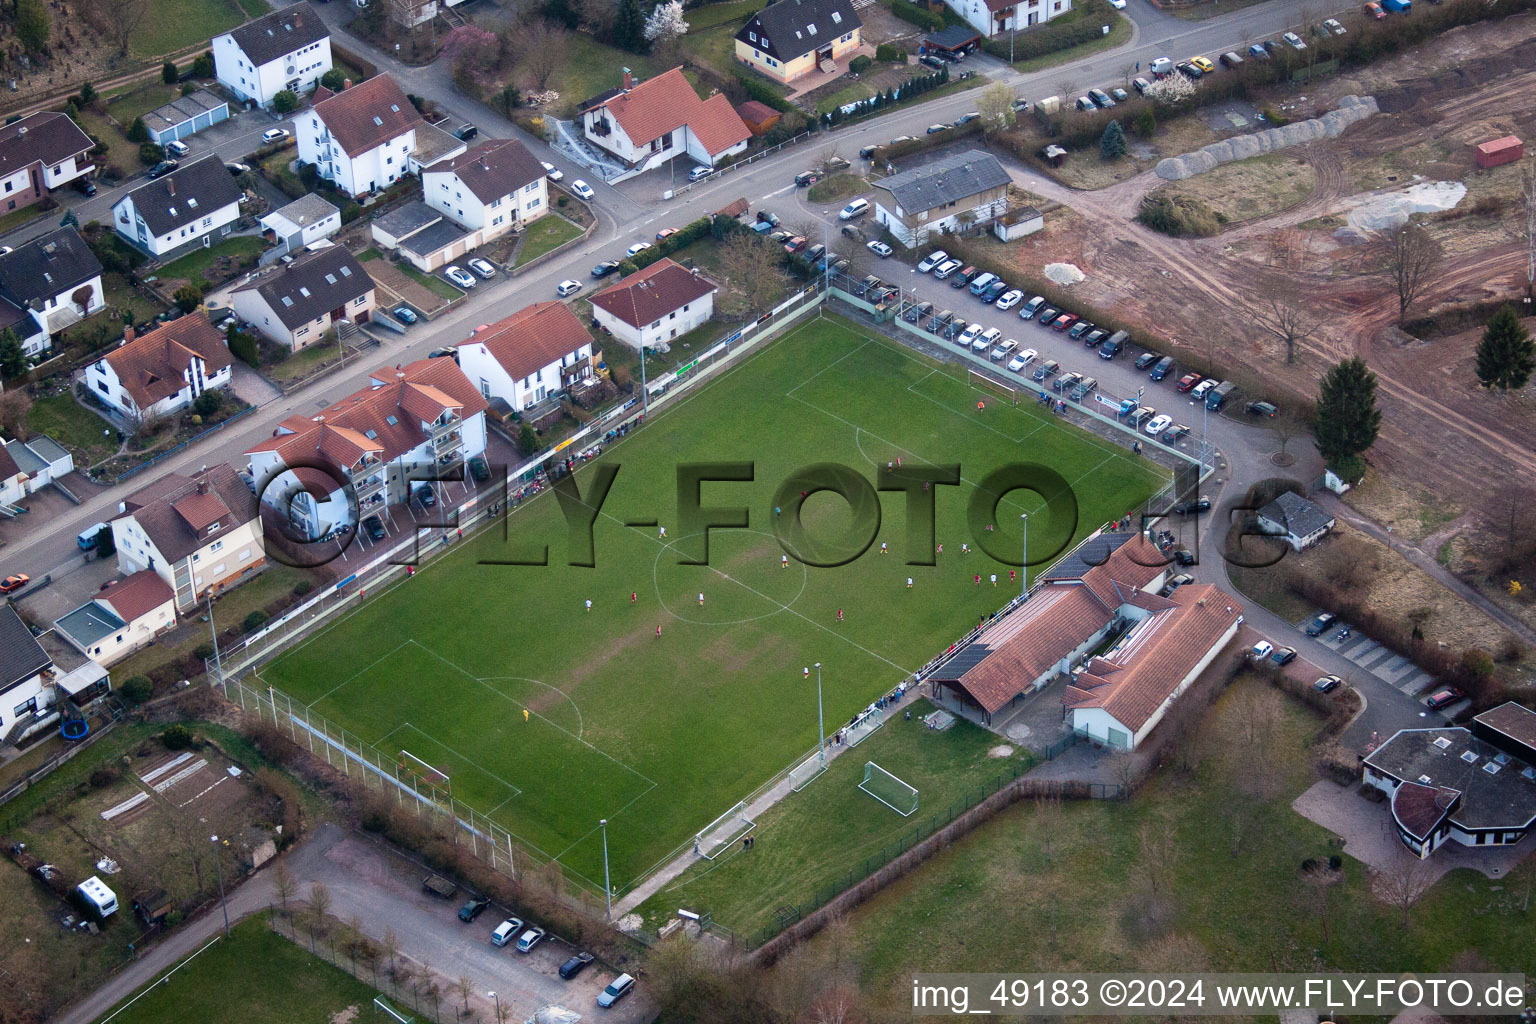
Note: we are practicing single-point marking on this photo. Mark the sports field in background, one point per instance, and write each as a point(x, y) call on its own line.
point(662, 734)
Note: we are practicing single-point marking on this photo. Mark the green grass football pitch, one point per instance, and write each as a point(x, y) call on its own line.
point(662, 734)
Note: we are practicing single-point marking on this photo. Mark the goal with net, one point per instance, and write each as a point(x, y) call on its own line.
point(988, 383)
point(720, 834)
point(433, 783)
point(807, 771)
point(889, 790)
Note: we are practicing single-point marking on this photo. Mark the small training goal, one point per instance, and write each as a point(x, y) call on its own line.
point(721, 834)
point(889, 790)
point(986, 382)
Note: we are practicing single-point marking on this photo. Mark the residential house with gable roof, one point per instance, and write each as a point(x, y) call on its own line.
point(1296, 520)
point(535, 353)
point(993, 17)
point(39, 154)
point(951, 194)
point(412, 424)
point(39, 675)
point(368, 136)
point(645, 124)
point(200, 534)
point(299, 225)
point(189, 208)
point(492, 188)
point(162, 371)
point(794, 38)
point(123, 618)
point(46, 285)
point(655, 305)
point(295, 304)
point(287, 49)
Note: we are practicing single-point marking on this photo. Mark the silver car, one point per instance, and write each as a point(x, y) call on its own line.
point(460, 277)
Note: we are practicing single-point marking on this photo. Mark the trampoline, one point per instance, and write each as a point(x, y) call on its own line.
point(74, 728)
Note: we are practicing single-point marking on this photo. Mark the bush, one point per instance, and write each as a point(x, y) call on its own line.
point(176, 737)
point(302, 587)
point(286, 101)
point(888, 52)
point(1179, 216)
point(87, 94)
point(910, 12)
point(137, 132)
point(135, 690)
point(203, 651)
point(188, 88)
point(150, 154)
point(255, 620)
point(245, 348)
point(102, 777)
point(209, 402)
point(759, 90)
point(860, 64)
point(334, 79)
point(188, 297)
point(1053, 36)
point(168, 72)
point(203, 66)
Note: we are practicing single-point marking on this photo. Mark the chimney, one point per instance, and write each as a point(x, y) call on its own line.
point(298, 19)
point(346, 83)
point(170, 184)
point(127, 335)
point(629, 79)
point(202, 486)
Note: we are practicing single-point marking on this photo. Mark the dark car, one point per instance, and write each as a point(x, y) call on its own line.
point(1045, 369)
point(1327, 684)
point(1320, 624)
point(163, 168)
point(1442, 698)
point(425, 495)
point(929, 60)
point(405, 314)
point(479, 469)
point(575, 965)
point(1162, 368)
point(964, 277)
point(805, 179)
point(1046, 315)
point(917, 312)
point(605, 268)
point(1283, 655)
point(1266, 409)
point(1094, 337)
point(965, 119)
point(1183, 557)
point(374, 528)
point(85, 186)
point(867, 153)
point(1188, 70)
point(1189, 508)
point(1109, 349)
point(1146, 359)
point(465, 132)
point(1079, 329)
point(994, 291)
point(474, 908)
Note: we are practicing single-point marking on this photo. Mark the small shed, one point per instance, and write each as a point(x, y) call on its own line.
point(1053, 155)
point(957, 39)
point(153, 906)
point(1500, 151)
point(1018, 222)
point(759, 117)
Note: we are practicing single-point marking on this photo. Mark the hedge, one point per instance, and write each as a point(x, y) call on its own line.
point(761, 91)
point(1084, 26)
point(680, 239)
point(922, 18)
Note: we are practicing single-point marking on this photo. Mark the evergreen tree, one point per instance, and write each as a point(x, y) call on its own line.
point(1347, 418)
point(137, 132)
point(1506, 356)
point(169, 73)
point(13, 362)
point(34, 25)
point(629, 26)
point(1112, 142)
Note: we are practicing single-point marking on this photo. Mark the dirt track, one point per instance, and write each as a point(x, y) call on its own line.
point(1439, 429)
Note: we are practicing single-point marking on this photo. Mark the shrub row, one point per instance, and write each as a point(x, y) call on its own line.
point(919, 16)
point(1057, 34)
point(1179, 216)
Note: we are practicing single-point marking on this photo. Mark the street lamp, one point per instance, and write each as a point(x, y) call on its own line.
point(220, 868)
point(1024, 565)
point(607, 888)
point(497, 998)
point(218, 667)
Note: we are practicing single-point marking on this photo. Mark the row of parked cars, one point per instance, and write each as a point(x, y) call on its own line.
point(514, 931)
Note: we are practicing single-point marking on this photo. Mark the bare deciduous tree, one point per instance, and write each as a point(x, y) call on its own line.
point(1279, 309)
point(1285, 425)
point(544, 44)
point(752, 273)
point(1403, 883)
point(465, 987)
point(1528, 202)
point(319, 901)
point(1158, 852)
point(1410, 254)
point(14, 406)
point(995, 104)
point(283, 884)
point(119, 19)
point(391, 944)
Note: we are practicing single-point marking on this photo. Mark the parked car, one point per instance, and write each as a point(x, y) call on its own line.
point(479, 469)
point(567, 287)
point(552, 172)
point(405, 314)
point(1266, 409)
point(1199, 391)
point(1101, 98)
point(1079, 329)
point(1327, 684)
point(575, 965)
point(1021, 106)
point(856, 208)
point(1111, 348)
point(1294, 41)
point(460, 277)
point(916, 312)
point(1066, 382)
point(795, 244)
point(1162, 368)
point(1257, 52)
point(15, 582)
point(964, 277)
point(1023, 359)
point(1095, 337)
point(1141, 85)
point(1064, 321)
point(1231, 59)
point(932, 260)
point(1188, 70)
point(531, 937)
point(805, 179)
point(665, 233)
point(636, 249)
point(605, 268)
point(1332, 25)
point(482, 268)
point(1161, 66)
point(1442, 698)
point(1086, 104)
point(176, 147)
point(473, 909)
point(465, 132)
point(1187, 381)
point(87, 187)
point(1283, 655)
point(965, 119)
point(969, 335)
point(1189, 508)
point(583, 190)
point(955, 326)
point(506, 931)
point(929, 60)
point(1184, 557)
point(1262, 650)
point(879, 248)
point(374, 528)
point(1009, 299)
point(900, 139)
point(934, 129)
point(163, 168)
point(815, 252)
point(946, 268)
point(1031, 307)
point(1118, 5)
point(994, 291)
point(1204, 64)
point(1045, 369)
point(1046, 315)
point(1146, 359)
point(1083, 389)
point(425, 495)
point(1119, 94)
point(700, 173)
point(1158, 424)
point(616, 990)
point(272, 135)
point(1321, 622)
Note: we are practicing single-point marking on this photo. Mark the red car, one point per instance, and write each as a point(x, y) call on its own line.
point(16, 582)
point(1188, 381)
point(1065, 320)
point(1375, 11)
point(1441, 698)
point(795, 244)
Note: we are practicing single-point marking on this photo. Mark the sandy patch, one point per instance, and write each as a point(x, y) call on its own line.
point(1001, 750)
point(629, 922)
point(1063, 273)
point(346, 1016)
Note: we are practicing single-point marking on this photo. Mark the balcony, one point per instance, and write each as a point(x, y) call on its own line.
point(452, 438)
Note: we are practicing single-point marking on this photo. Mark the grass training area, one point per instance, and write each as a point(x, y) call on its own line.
point(660, 713)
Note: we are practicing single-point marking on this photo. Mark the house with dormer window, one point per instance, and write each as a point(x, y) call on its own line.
point(794, 38)
point(287, 49)
point(161, 372)
point(295, 304)
point(368, 136)
point(645, 124)
point(190, 208)
point(46, 285)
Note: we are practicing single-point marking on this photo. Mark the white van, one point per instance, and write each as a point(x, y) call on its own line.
point(87, 538)
point(857, 208)
point(982, 283)
point(1162, 66)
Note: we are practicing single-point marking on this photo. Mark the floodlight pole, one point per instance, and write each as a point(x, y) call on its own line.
point(497, 998)
point(220, 867)
point(821, 722)
point(218, 667)
point(1024, 565)
point(607, 888)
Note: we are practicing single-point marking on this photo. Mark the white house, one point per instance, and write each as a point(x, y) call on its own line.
point(411, 425)
point(53, 280)
point(1295, 519)
point(200, 534)
point(121, 619)
point(491, 189)
point(287, 49)
point(655, 305)
point(38, 463)
point(38, 675)
point(951, 194)
point(368, 136)
point(192, 206)
point(161, 372)
point(536, 352)
point(646, 124)
point(301, 223)
point(295, 304)
point(38, 154)
point(992, 17)
point(13, 479)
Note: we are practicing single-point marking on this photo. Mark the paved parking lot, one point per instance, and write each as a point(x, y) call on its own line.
point(1391, 668)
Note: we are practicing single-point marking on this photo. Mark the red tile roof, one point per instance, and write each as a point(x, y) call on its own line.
point(368, 115)
point(1131, 566)
point(151, 366)
point(155, 509)
point(753, 112)
point(1150, 662)
point(666, 103)
point(647, 295)
point(137, 595)
point(532, 338)
point(384, 420)
point(1419, 808)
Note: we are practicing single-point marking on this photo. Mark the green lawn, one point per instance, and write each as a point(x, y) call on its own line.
point(1073, 888)
point(121, 154)
point(1119, 35)
point(254, 977)
point(436, 285)
point(589, 67)
point(23, 215)
point(69, 423)
point(548, 232)
point(838, 186)
point(173, 25)
point(141, 101)
point(712, 29)
point(661, 734)
point(195, 264)
point(832, 833)
point(367, 254)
